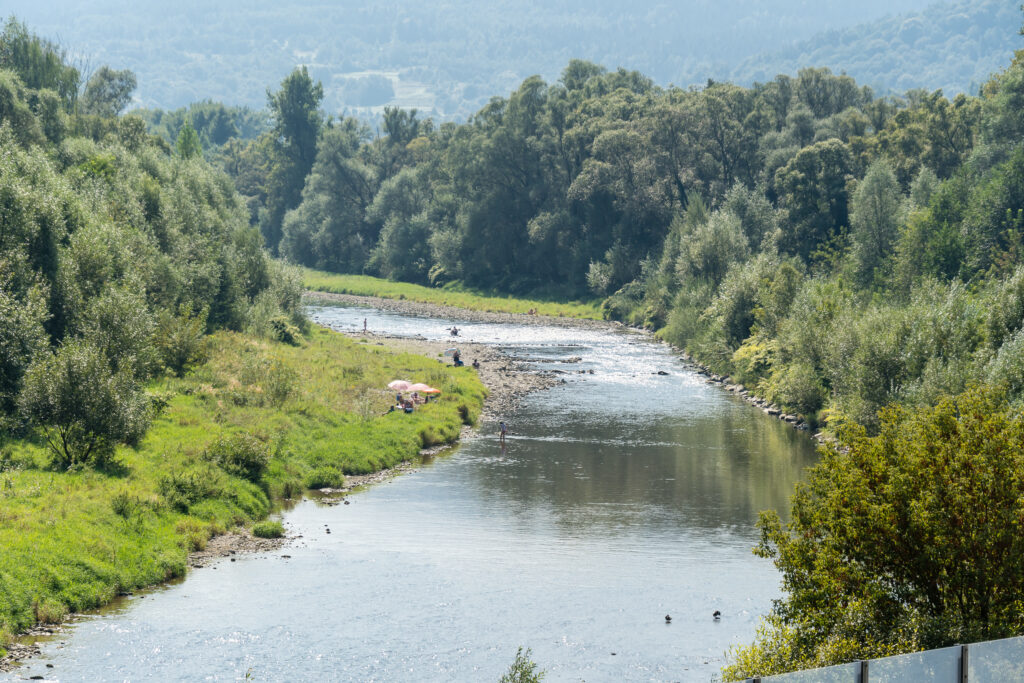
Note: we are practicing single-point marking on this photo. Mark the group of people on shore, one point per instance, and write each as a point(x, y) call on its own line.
point(407, 404)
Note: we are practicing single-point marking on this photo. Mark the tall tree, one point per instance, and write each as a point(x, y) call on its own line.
point(187, 144)
point(108, 92)
point(874, 219)
point(297, 125)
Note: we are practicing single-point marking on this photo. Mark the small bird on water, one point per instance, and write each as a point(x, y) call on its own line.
point(717, 615)
point(668, 619)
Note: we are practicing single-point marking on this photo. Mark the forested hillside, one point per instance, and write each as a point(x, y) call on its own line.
point(952, 46)
point(444, 58)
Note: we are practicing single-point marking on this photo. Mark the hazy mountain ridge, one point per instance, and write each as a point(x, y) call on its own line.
point(450, 57)
point(950, 46)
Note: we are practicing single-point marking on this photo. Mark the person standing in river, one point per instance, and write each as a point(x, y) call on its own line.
point(503, 429)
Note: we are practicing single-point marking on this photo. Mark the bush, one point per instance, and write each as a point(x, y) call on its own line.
point(195, 533)
point(242, 455)
point(180, 339)
point(523, 669)
point(325, 478)
point(182, 489)
point(124, 505)
point(797, 387)
point(276, 381)
point(84, 407)
point(284, 331)
point(268, 529)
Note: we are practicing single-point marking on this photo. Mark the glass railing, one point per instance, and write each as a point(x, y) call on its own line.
point(994, 661)
point(844, 673)
point(932, 666)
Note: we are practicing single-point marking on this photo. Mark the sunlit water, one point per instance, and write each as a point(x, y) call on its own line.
point(621, 496)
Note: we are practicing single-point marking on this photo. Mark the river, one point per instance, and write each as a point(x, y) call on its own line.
point(620, 497)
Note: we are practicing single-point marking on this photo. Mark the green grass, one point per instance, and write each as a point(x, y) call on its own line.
point(74, 540)
point(450, 295)
point(268, 529)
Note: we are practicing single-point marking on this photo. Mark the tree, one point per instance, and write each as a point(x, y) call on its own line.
point(84, 407)
point(328, 228)
point(39, 63)
point(108, 92)
point(903, 541)
point(874, 219)
point(22, 339)
point(187, 145)
point(297, 124)
point(812, 187)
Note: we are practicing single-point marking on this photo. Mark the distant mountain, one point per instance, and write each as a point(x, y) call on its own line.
point(953, 46)
point(446, 57)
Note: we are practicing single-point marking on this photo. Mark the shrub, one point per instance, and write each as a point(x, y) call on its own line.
point(242, 455)
point(279, 383)
point(50, 612)
point(271, 380)
point(325, 477)
point(523, 669)
point(183, 488)
point(84, 407)
point(284, 331)
point(180, 339)
point(797, 387)
point(195, 533)
point(124, 505)
point(268, 529)
point(291, 488)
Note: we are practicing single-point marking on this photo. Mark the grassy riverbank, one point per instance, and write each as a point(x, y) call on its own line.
point(450, 295)
point(258, 422)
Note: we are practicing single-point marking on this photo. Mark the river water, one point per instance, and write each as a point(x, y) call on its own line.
point(620, 496)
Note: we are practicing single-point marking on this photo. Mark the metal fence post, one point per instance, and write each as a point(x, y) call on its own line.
point(863, 671)
point(963, 663)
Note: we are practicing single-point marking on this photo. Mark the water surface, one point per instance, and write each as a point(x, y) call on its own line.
point(620, 496)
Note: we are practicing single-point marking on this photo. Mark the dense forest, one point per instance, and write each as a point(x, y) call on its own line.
point(448, 59)
point(117, 255)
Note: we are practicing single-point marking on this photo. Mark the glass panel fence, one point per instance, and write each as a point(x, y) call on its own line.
point(996, 661)
point(933, 666)
point(844, 673)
